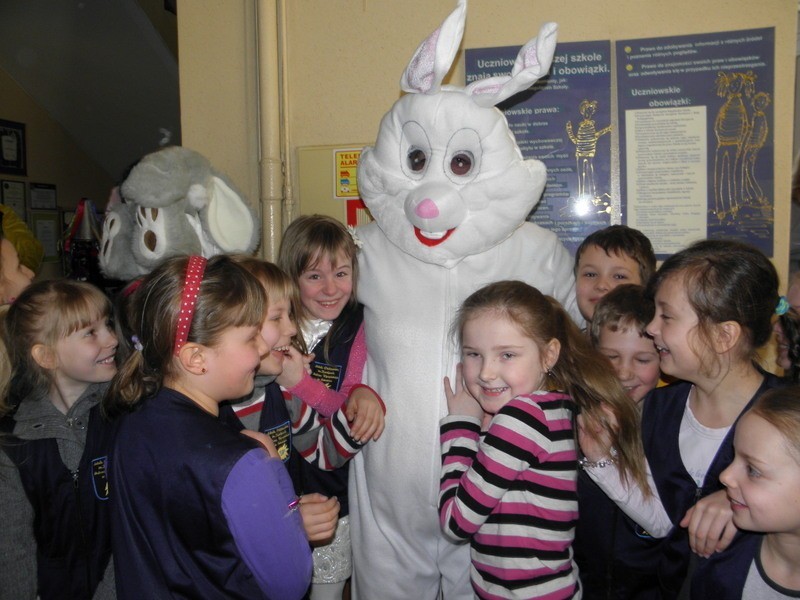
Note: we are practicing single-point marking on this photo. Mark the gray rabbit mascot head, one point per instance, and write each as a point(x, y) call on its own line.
point(174, 204)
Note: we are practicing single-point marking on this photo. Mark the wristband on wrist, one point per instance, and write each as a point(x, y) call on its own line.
point(585, 463)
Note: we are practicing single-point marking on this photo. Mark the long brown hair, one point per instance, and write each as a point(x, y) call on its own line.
point(229, 297)
point(580, 370)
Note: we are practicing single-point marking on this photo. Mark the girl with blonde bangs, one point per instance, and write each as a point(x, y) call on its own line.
point(62, 348)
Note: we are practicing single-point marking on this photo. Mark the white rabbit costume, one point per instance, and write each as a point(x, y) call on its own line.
point(450, 192)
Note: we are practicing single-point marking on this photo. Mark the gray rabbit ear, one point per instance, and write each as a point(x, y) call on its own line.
point(532, 63)
point(434, 57)
point(228, 220)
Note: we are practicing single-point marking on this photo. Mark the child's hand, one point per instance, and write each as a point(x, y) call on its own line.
point(294, 366)
point(320, 515)
point(264, 440)
point(594, 438)
point(710, 524)
point(365, 413)
point(460, 401)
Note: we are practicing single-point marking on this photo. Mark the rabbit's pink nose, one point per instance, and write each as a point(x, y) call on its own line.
point(427, 209)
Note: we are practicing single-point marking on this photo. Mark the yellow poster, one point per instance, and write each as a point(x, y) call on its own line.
point(345, 164)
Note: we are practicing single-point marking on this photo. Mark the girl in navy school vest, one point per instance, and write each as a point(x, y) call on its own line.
point(200, 509)
point(319, 254)
point(62, 350)
point(325, 441)
point(714, 304)
point(763, 487)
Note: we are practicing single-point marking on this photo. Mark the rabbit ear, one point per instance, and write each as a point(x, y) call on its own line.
point(434, 57)
point(532, 63)
point(229, 222)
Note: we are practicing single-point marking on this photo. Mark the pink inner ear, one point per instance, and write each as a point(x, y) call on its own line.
point(531, 57)
point(420, 71)
point(487, 89)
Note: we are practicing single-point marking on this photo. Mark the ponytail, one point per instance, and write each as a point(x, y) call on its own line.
point(133, 382)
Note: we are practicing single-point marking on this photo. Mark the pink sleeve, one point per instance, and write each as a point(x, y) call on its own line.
point(327, 401)
point(355, 362)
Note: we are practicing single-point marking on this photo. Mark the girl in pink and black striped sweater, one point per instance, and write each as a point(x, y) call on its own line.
point(508, 446)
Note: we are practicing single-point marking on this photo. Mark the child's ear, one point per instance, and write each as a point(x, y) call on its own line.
point(551, 353)
point(44, 356)
point(192, 358)
point(726, 336)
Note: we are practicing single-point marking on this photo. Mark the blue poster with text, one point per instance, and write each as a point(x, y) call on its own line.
point(563, 121)
point(696, 137)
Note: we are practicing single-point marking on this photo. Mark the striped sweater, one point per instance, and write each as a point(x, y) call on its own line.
point(513, 495)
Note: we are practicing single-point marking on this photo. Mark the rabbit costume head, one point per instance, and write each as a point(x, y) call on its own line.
point(446, 178)
point(175, 203)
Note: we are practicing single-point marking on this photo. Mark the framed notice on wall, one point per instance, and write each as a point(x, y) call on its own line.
point(12, 148)
point(43, 196)
point(13, 196)
point(46, 226)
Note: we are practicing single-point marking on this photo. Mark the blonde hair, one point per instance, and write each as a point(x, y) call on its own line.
point(45, 313)
point(278, 285)
point(229, 297)
point(780, 407)
point(580, 370)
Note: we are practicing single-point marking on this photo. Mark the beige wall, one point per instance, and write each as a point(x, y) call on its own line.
point(217, 88)
point(51, 154)
point(344, 59)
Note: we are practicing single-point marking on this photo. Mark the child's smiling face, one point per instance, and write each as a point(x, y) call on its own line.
point(500, 362)
point(599, 272)
point(277, 331)
point(634, 358)
point(326, 286)
point(674, 330)
point(763, 481)
point(87, 355)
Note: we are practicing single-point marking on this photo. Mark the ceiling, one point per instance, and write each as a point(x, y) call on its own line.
point(101, 69)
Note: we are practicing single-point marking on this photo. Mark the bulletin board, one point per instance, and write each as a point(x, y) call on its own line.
point(673, 136)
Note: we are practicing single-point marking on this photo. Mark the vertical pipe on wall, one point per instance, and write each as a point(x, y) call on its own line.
point(271, 130)
point(288, 177)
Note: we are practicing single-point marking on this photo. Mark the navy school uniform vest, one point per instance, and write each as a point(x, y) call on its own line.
point(331, 372)
point(661, 421)
point(616, 558)
point(71, 510)
point(275, 421)
point(170, 463)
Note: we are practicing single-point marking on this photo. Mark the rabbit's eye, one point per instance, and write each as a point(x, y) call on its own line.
point(461, 163)
point(417, 159)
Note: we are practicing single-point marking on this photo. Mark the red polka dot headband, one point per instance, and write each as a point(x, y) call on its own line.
point(191, 287)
